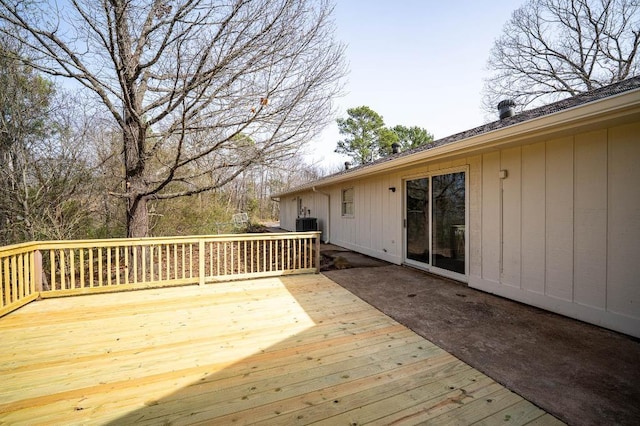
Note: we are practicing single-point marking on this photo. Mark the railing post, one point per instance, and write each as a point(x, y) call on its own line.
point(317, 254)
point(201, 271)
point(37, 271)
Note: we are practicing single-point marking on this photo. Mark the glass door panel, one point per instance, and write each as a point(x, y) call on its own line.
point(448, 204)
point(417, 216)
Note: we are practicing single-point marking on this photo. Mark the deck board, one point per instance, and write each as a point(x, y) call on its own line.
point(292, 350)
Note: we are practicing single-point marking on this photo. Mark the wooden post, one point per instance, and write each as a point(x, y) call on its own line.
point(37, 271)
point(317, 254)
point(201, 271)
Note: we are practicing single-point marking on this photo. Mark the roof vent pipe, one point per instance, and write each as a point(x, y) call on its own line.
point(347, 165)
point(505, 108)
point(395, 148)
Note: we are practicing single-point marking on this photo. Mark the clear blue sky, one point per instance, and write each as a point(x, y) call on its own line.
point(416, 63)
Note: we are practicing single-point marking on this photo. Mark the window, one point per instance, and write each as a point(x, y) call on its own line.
point(347, 202)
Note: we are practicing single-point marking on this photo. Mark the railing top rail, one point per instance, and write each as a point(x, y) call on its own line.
point(18, 248)
point(119, 242)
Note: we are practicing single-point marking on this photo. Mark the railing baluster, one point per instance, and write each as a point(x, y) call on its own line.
point(158, 264)
point(72, 267)
point(252, 247)
point(304, 253)
point(191, 261)
point(151, 263)
point(63, 270)
point(217, 245)
point(134, 253)
point(108, 265)
point(232, 247)
point(201, 257)
point(175, 261)
point(272, 254)
point(125, 255)
point(50, 274)
point(211, 271)
point(83, 283)
point(143, 259)
point(224, 263)
point(117, 249)
point(167, 261)
point(164, 261)
point(184, 272)
point(20, 263)
point(7, 281)
point(2, 285)
point(100, 268)
point(91, 280)
point(32, 272)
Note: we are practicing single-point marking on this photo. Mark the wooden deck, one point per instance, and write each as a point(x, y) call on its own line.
point(293, 350)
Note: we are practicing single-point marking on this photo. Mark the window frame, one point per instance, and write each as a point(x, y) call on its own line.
point(345, 202)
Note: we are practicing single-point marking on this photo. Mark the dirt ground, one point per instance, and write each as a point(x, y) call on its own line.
point(582, 374)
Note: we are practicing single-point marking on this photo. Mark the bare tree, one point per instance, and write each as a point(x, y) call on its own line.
point(551, 49)
point(184, 78)
point(45, 183)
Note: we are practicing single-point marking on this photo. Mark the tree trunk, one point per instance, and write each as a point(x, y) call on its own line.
point(137, 217)
point(137, 214)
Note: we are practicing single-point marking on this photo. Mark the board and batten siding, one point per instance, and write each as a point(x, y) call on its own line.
point(316, 204)
point(375, 228)
point(562, 230)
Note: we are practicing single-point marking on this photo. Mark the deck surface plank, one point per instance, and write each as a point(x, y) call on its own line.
point(292, 350)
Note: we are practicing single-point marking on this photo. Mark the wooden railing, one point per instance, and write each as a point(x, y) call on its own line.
point(64, 268)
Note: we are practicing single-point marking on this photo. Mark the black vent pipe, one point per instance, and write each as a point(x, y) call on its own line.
point(506, 108)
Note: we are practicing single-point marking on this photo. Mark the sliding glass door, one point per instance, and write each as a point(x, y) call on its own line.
point(417, 220)
point(435, 223)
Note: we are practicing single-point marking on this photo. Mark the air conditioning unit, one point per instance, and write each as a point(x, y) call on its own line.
point(304, 224)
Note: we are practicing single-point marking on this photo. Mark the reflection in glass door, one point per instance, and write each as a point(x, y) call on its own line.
point(435, 222)
point(417, 225)
point(448, 201)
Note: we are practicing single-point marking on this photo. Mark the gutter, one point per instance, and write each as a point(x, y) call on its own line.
point(328, 227)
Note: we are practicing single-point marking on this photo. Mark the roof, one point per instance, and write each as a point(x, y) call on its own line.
point(522, 117)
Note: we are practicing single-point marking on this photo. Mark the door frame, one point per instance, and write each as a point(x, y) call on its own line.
point(429, 267)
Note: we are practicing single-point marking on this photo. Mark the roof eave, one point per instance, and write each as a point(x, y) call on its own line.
point(622, 104)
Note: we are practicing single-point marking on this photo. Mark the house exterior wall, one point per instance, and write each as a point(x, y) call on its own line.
point(314, 204)
point(374, 229)
point(561, 231)
point(568, 220)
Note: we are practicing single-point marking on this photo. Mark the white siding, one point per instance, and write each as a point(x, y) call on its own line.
point(623, 257)
point(491, 217)
point(561, 232)
point(375, 228)
point(569, 224)
point(474, 233)
point(315, 204)
point(288, 213)
point(533, 214)
point(511, 216)
point(590, 240)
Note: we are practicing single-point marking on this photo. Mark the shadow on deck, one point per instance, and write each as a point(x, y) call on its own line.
point(294, 350)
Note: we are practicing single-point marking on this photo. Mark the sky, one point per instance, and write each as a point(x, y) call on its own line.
point(416, 63)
